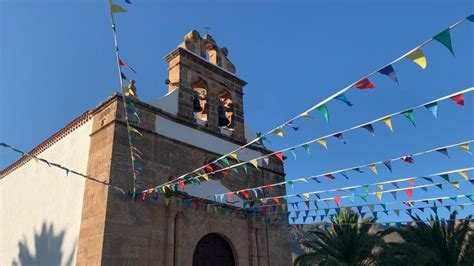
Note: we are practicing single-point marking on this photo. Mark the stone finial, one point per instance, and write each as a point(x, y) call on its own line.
point(201, 45)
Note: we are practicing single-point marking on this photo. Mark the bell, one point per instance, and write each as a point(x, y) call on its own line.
point(222, 119)
point(196, 104)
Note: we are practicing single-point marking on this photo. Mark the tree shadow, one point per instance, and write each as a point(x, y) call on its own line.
point(47, 249)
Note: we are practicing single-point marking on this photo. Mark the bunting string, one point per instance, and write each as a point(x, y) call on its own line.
point(397, 224)
point(330, 175)
point(128, 95)
point(363, 196)
point(306, 195)
point(323, 140)
point(414, 54)
point(64, 168)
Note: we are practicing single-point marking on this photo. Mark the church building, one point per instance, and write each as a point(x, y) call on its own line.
point(50, 217)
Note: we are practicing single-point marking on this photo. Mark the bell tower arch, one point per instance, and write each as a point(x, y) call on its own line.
point(210, 93)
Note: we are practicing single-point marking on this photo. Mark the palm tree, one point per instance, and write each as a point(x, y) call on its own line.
point(439, 242)
point(346, 243)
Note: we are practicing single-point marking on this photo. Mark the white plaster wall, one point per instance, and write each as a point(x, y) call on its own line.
point(35, 195)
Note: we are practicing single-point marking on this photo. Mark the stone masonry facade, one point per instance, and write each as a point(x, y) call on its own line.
point(117, 230)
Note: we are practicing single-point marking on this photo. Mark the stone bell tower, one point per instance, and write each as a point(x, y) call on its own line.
point(210, 94)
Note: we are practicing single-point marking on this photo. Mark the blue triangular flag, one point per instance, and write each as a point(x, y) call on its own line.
point(390, 72)
point(433, 108)
point(342, 97)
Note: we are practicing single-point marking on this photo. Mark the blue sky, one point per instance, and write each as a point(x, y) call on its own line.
point(57, 61)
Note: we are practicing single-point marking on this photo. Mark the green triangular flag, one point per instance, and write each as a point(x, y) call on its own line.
point(444, 38)
point(291, 183)
point(445, 177)
point(226, 161)
point(324, 110)
point(409, 114)
point(306, 148)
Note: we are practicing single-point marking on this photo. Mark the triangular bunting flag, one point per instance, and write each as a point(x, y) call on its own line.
point(380, 186)
point(254, 163)
point(407, 159)
point(388, 122)
point(337, 199)
point(470, 18)
point(324, 110)
point(342, 97)
point(369, 128)
point(388, 164)
point(278, 132)
point(323, 142)
point(390, 72)
point(373, 168)
point(418, 57)
point(364, 84)
point(464, 174)
point(292, 151)
point(330, 176)
point(116, 8)
point(465, 147)
point(444, 38)
point(433, 108)
point(279, 155)
point(378, 195)
point(340, 137)
point(409, 115)
point(306, 148)
point(394, 194)
point(455, 184)
point(445, 177)
point(459, 99)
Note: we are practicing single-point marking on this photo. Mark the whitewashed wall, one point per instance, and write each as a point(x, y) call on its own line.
point(40, 207)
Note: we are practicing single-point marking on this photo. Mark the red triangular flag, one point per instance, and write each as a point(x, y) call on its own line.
point(209, 168)
point(459, 99)
point(229, 196)
point(411, 181)
point(407, 159)
point(364, 84)
point(279, 155)
point(337, 199)
point(276, 200)
point(409, 192)
point(330, 176)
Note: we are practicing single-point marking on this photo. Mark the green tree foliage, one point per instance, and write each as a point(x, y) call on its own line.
point(437, 242)
point(346, 242)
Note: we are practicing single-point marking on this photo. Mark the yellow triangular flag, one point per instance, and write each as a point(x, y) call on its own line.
point(388, 122)
point(116, 8)
point(302, 180)
point(254, 163)
point(418, 57)
point(305, 114)
point(464, 174)
point(322, 142)
point(278, 132)
point(306, 196)
point(455, 184)
point(373, 168)
point(378, 195)
point(380, 186)
point(129, 91)
point(134, 130)
point(206, 177)
point(234, 155)
point(465, 147)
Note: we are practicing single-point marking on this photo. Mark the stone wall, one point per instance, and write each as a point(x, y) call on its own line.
point(117, 230)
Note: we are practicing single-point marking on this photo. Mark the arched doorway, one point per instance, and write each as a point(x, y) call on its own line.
point(213, 250)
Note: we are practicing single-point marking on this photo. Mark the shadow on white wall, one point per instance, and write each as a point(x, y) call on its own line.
point(47, 249)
